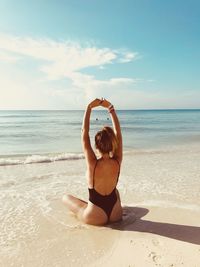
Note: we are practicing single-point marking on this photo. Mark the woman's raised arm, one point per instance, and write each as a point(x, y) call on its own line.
point(116, 128)
point(87, 148)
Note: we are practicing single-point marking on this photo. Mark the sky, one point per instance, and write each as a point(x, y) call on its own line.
point(139, 54)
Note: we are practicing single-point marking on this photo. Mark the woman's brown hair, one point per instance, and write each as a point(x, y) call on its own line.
point(106, 141)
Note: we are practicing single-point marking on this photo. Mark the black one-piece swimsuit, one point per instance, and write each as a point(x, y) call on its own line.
point(105, 202)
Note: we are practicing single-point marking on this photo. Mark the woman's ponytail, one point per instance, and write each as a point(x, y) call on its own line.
point(112, 138)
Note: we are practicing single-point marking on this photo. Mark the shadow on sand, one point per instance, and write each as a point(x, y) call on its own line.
point(132, 221)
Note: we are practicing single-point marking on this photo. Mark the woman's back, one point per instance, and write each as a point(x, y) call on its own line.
point(105, 175)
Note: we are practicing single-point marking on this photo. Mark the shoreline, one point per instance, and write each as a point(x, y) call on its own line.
point(47, 157)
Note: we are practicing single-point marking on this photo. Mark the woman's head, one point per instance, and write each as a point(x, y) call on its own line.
point(106, 141)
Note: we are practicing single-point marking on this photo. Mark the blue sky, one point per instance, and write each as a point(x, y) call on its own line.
point(61, 54)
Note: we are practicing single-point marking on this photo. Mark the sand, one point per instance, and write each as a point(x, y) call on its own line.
point(147, 236)
point(161, 215)
point(162, 237)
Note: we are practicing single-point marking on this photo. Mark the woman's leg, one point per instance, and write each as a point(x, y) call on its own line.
point(76, 205)
point(117, 213)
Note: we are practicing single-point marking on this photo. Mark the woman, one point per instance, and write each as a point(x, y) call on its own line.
point(104, 203)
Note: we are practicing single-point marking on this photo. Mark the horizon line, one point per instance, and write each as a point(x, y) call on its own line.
point(150, 109)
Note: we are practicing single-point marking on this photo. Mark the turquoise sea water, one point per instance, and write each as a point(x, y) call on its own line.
point(54, 132)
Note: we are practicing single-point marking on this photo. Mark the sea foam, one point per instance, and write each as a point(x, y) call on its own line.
point(40, 159)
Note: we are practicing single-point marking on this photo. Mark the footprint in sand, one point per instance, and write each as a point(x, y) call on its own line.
point(154, 257)
point(156, 242)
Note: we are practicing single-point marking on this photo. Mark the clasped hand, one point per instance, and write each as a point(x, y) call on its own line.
point(100, 102)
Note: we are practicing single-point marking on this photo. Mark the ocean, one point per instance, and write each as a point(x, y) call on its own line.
point(43, 136)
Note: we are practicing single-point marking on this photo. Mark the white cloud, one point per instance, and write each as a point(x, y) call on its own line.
point(58, 60)
point(100, 88)
point(6, 57)
point(62, 58)
point(14, 95)
point(17, 93)
point(128, 57)
point(21, 88)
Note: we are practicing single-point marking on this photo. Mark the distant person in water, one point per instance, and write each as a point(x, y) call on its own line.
point(104, 203)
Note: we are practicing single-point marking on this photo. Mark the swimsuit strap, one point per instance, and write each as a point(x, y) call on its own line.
point(119, 170)
point(94, 172)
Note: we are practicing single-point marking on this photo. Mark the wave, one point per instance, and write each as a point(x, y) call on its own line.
point(31, 159)
point(40, 159)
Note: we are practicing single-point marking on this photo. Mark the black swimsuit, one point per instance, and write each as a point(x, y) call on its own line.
point(105, 202)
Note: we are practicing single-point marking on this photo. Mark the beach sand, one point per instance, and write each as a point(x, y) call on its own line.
point(154, 236)
point(161, 215)
point(163, 237)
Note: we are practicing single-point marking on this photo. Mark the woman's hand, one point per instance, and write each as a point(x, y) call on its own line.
point(95, 103)
point(105, 103)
